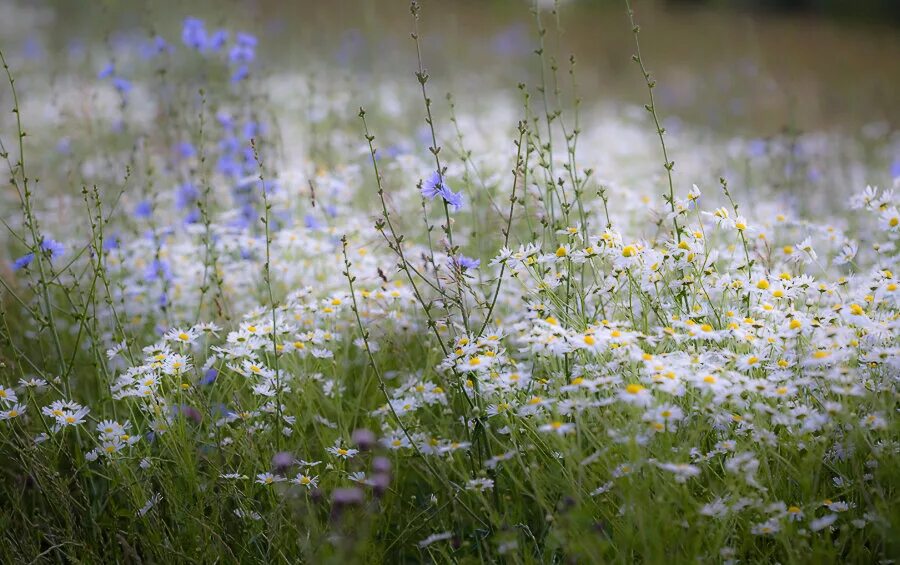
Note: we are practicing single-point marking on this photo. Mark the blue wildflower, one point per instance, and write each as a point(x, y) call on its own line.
point(143, 209)
point(225, 120)
point(312, 222)
point(161, 45)
point(252, 129)
point(186, 149)
point(192, 217)
point(107, 71)
point(464, 263)
point(454, 199)
point(433, 185)
point(53, 247)
point(186, 195)
point(209, 377)
point(111, 242)
point(121, 84)
point(158, 270)
point(228, 166)
point(23, 261)
point(193, 33)
point(240, 74)
point(218, 40)
point(244, 50)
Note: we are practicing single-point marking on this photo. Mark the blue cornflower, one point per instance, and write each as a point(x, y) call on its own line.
point(23, 261)
point(111, 242)
point(186, 149)
point(454, 199)
point(218, 40)
point(311, 222)
point(244, 50)
point(158, 270)
point(192, 217)
point(252, 129)
point(193, 33)
point(161, 45)
point(107, 71)
point(209, 377)
point(228, 166)
point(433, 185)
point(240, 74)
point(465, 263)
point(186, 195)
point(155, 47)
point(143, 209)
point(53, 247)
point(229, 144)
point(121, 84)
point(225, 119)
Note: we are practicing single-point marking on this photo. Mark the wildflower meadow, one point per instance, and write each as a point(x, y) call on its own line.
point(376, 315)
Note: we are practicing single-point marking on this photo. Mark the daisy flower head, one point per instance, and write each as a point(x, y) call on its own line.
point(557, 427)
point(636, 394)
point(310, 482)
point(342, 452)
point(268, 479)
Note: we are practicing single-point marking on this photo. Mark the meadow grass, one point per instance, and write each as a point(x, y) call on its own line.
point(246, 319)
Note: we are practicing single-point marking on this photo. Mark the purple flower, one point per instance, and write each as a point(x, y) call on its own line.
point(158, 270)
point(53, 247)
point(347, 497)
point(244, 50)
point(282, 461)
point(218, 40)
point(160, 45)
point(431, 186)
point(186, 149)
point(364, 439)
point(192, 217)
point(454, 199)
point(23, 261)
point(434, 185)
point(252, 129)
point(381, 465)
point(143, 209)
point(121, 84)
point(209, 377)
point(464, 263)
point(312, 222)
point(225, 119)
point(240, 74)
point(193, 33)
point(107, 71)
point(111, 242)
point(186, 195)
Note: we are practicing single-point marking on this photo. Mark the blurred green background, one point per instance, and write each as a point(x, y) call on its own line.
point(736, 66)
